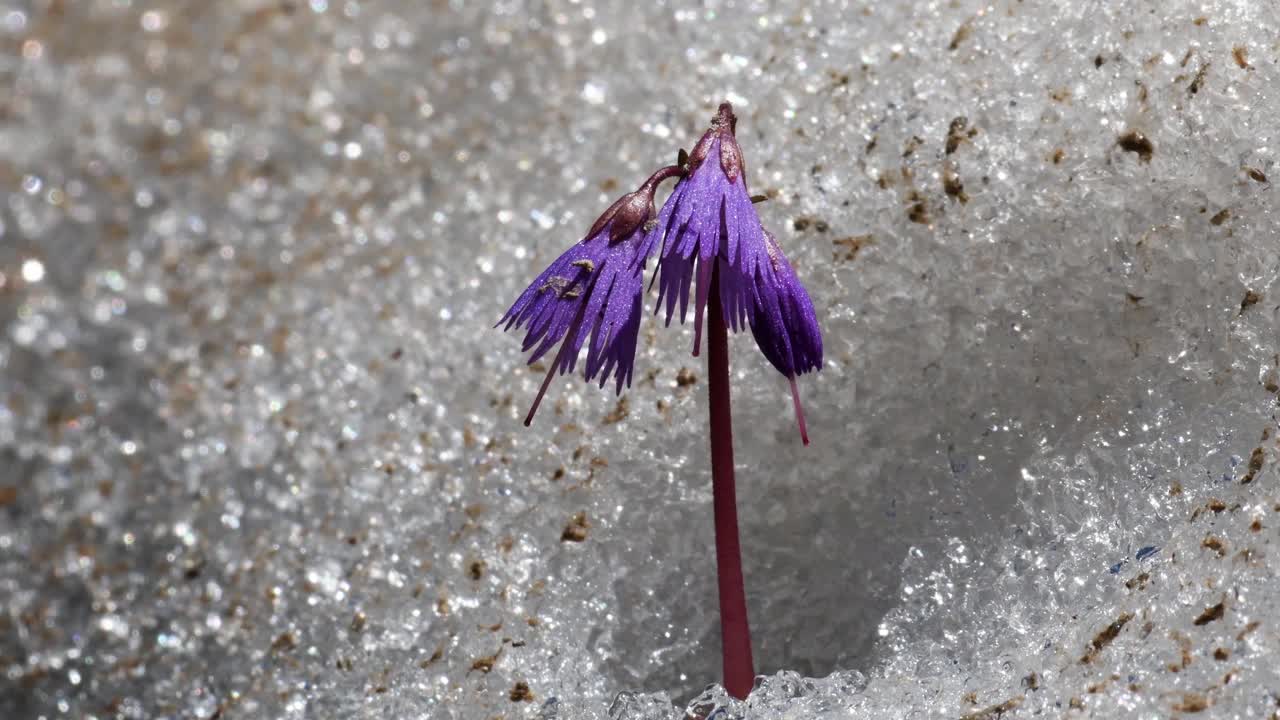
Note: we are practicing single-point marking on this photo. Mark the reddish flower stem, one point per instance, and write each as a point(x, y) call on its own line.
point(735, 634)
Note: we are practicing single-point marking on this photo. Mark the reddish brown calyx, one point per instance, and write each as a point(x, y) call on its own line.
point(724, 127)
point(725, 118)
point(634, 209)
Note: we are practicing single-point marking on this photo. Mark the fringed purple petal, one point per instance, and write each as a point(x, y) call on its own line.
point(617, 353)
point(737, 275)
point(709, 221)
point(674, 275)
point(591, 292)
point(690, 217)
point(613, 308)
point(735, 296)
point(737, 222)
point(548, 306)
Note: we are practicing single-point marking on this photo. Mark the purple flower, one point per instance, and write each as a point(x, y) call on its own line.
point(710, 224)
point(710, 216)
point(592, 291)
point(784, 323)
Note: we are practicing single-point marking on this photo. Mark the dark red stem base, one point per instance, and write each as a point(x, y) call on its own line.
point(735, 634)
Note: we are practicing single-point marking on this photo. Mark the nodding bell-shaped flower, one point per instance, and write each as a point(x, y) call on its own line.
point(710, 223)
point(709, 220)
point(593, 292)
point(784, 323)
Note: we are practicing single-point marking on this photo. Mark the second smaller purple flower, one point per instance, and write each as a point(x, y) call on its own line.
point(593, 291)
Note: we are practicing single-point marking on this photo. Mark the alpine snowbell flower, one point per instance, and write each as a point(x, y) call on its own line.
point(593, 291)
point(710, 225)
point(710, 231)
